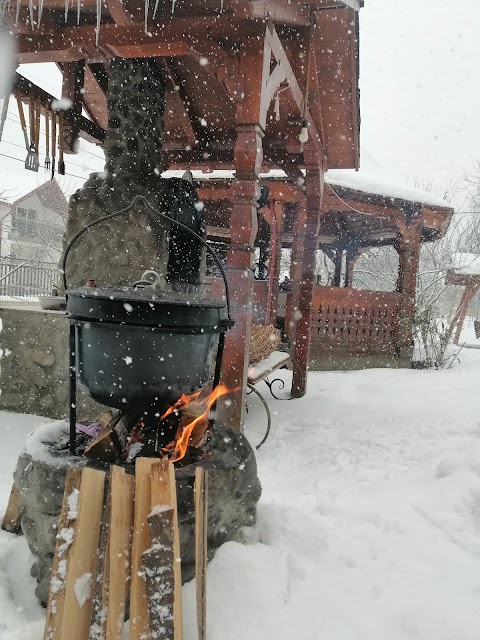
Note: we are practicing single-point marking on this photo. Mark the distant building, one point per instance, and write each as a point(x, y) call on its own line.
point(32, 227)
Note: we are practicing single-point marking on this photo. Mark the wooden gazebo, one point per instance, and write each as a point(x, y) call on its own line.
point(251, 85)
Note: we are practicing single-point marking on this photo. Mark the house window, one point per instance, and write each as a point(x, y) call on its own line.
point(24, 222)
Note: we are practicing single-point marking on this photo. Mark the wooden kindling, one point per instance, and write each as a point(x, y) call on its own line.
point(74, 566)
point(91, 568)
point(113, 558)
point(13, 514)
point(162, 562)
point(201, 513)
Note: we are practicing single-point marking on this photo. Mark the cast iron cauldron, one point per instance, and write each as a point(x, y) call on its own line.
point(141, 350)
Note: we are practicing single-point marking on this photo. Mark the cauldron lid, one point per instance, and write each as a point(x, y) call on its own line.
point(125, 305)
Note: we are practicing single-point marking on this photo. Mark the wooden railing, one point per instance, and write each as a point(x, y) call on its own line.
point(353, 321)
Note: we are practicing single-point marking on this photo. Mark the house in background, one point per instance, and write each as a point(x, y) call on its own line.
point(32, 227)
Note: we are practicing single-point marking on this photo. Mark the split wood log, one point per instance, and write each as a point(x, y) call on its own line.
point(201, 527)
point(106, 446)
point(81, 569)
point(164, 494)
point(13, 514)
point(113, 558)
point(56, 597)
point(139, 618)
point(158, 563)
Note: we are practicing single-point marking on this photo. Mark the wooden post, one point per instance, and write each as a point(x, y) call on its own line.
point(201, 529)
point(409, 253)
point(352, 257)
point(337, 276)
point(303, 324)
point(296, 268)
point(254, 61)
point(459, 317)
point(81, 570)
point(279, 210)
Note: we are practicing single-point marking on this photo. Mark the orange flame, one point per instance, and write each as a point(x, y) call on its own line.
point(184, 439)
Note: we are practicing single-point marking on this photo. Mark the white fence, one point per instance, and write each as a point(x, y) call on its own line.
point(21, 279)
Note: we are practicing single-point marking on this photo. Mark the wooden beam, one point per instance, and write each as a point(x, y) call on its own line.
point(181, 111)
point(356, 5)
point(88, 130)
point(72, 90)
point(118, 13)
point(220, 63)
point(291, 14)
point(165, 40)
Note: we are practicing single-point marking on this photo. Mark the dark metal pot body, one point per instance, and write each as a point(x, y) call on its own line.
point(142, 352)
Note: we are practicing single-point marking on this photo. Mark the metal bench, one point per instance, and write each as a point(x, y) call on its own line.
point(260, 371)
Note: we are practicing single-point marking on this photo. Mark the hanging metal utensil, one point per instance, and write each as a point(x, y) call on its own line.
point(31, 162)
point(61, 163)
point(3, 116)
point(47, 138)
point(54, 140)
point(22, 119)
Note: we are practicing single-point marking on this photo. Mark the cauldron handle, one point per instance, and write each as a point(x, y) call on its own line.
point(226, 323)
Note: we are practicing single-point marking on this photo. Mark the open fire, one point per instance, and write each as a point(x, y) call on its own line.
point(191, 431)
point(183, 428)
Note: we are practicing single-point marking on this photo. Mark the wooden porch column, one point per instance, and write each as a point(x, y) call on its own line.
point(275, 260)
point(352, 257)
point(309, 239)
point(296, 269)
point(409, 254)
point(337, 276)
point(254, 62)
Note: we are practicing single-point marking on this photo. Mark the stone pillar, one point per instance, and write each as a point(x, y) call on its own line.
point(303, 324)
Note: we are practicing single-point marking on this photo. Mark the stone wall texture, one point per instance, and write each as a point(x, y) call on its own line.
point(34, 364)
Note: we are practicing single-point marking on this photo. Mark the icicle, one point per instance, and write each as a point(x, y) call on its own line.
point(174, 2)
point(147, 7)
point(66, 10)
point(79, 5)
point(155, 9)
point(99, 20)
point(30, 9)
point(40, 11)
point(17, 13)
point(277, 107)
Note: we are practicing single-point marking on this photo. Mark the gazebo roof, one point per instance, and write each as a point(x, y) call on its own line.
point(369, 218)
point(196, 43)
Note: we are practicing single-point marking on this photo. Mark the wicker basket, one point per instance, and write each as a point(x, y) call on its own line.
point(263, 342)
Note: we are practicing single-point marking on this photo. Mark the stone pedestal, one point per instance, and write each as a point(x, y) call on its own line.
point(234, 490)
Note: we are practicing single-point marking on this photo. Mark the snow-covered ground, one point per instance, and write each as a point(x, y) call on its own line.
point(368, 527)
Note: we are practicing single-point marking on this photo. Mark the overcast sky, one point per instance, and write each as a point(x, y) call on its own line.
point(420, 85)
point(420, 95)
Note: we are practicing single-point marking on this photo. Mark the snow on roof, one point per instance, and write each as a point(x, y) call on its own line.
point(466, 264)
point(379, 184)
point(366, 181)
